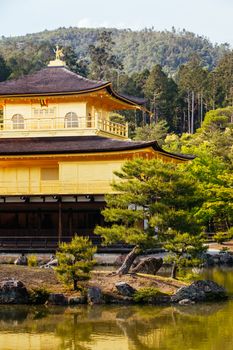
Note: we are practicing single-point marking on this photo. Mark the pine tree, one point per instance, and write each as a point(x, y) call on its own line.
point(152, 199)
point(75, 260)
point(4, 69)
point(103, 61)
point(192, 82)
point(152, 131)
point(224, 80)
point(76, 65)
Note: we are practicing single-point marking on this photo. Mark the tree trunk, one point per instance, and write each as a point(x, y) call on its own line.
point(189, 119)
point(192, 114)
point(125, 267)
point(201, 108)
point(75, 284)
point(174, 270)
point(184, 121)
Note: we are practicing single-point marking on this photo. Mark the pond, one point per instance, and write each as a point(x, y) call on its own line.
point(199, 327)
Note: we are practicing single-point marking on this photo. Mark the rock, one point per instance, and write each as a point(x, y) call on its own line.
point(223, 258)
point(76, 300)
point(118, 299)
point(162, 300)
point(200, 291)
point(13, 292)
point(125, 289)
point(207, 260)
point(119, 260)
point(21, 260)
point(50, 264)
point(57, 299)
point(94, 296)
point(149, 266)
point(186, 302)
point(216, 259)
point(226, 259)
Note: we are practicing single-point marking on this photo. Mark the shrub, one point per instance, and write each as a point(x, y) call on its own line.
point(230, 233)
point(32, 261)
point(221, 237)
point(147, 295)
point(224, 250)
point(38, 296)
point(75, 261)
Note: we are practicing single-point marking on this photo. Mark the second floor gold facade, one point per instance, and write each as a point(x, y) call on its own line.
point(59, 117)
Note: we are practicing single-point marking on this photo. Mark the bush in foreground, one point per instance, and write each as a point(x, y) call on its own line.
point(221, 237)
point(32, 261)
point(75, 261)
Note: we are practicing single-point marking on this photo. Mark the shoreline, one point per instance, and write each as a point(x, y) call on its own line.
point(41, 286)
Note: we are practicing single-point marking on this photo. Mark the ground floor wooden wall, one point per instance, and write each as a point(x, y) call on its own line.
point(43, 225)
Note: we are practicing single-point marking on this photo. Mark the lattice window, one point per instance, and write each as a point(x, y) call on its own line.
point(17, 121)
point(45, 112)
point(71, 120)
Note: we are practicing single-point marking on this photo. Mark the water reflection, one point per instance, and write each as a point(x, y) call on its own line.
point(133, 328)
point(199, 327)
point(222, 275)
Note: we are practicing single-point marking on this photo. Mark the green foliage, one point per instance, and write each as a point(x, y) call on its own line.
point(157, 192)
point(170, 69)
point(154, 131)
point(147, 295)
point(103, 61)
point(117, 118)
point(172, 143)
point(184, 249)
point(161, 93)
point(221, 237)
point(212, 169)
point(164, 198)
point(76, 65)
point(38, 296)
point(32, 260)
point(217, 119)
point(186, 276)
point(4, 69)
point(230, 233)
point(223, 80)
point(224, 250)
point(75, 260)
point(139, 49)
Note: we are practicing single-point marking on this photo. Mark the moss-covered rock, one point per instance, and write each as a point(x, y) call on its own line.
point(150, 295)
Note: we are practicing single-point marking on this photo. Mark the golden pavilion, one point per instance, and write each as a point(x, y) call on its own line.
point(58, 151)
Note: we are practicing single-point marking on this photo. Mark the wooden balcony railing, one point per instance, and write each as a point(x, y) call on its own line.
point(52, 187)
point(43, 124)
point(37, 243)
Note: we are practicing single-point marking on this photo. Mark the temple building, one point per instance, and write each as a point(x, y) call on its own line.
point(58, 151)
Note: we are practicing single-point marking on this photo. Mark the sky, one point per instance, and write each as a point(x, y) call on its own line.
point(209, 18)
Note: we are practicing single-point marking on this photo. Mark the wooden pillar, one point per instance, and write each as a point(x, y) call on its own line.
point(39, 220)
point(59, 222)
point(70, 218)
point(27, 224)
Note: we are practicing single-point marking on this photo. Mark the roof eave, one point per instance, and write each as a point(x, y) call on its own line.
point(75, 92)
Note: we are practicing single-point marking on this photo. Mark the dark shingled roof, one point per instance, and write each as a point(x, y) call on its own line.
point(59, 80)
point(75, 144)
point(49, 80)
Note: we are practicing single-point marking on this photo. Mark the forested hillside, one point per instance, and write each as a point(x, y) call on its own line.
point(137, 49)
point(182, 76)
